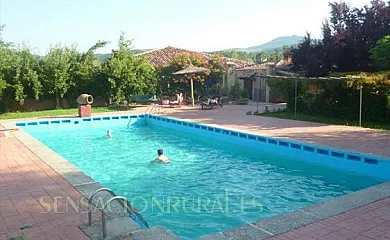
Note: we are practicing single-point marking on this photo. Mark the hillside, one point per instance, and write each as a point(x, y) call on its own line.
point(104, 56)
point(271, 45)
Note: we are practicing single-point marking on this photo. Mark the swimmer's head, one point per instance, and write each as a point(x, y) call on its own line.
point(160, 152)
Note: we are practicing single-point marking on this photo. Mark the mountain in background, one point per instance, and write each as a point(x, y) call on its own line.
point(271, 45)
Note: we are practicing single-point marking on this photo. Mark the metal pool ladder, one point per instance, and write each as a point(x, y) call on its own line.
point(126, 205)
point(151, 108)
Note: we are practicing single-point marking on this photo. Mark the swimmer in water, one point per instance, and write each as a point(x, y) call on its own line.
point(161, 158)
point(109, 134)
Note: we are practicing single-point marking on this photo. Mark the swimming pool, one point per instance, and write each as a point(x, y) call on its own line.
point(218, 179)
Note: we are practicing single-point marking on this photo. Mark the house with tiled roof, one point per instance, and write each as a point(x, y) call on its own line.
point(163, 57)
point(253, 78)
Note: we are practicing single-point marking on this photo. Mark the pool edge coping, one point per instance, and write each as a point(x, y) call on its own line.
point(78, 180)
point(262, 229)
point(278, 138)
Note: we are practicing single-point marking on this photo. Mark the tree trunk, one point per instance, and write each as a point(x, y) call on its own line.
point(6, 101)
point(57, 100)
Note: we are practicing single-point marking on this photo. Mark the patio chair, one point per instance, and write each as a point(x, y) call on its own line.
point(176, 101)
point(211, 103)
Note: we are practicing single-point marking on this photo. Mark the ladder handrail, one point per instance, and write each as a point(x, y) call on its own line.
point(90, 201)
point(126, 205)
point(150, 108)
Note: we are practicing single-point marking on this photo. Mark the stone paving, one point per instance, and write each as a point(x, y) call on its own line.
point(33, 194)
point(28, 186)
point(369, 222)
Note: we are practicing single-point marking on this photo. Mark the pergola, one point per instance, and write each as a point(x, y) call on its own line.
point(296, 78)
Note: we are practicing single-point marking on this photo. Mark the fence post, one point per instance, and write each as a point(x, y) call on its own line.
point(360, 107)
point(296, 86)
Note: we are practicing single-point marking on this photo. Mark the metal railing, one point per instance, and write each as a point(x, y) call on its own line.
point(90, 202)
point(129, 123)
point(126, 205)
point(151, 108)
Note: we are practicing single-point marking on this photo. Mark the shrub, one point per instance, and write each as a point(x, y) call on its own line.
point(245, 93)
point(236, 91)
point(224, 91)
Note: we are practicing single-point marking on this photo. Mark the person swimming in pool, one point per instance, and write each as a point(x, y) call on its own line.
point(109, 134)
point(161, 158)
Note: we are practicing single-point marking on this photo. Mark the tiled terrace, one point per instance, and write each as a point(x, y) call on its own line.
point(25, 179)
point(28, 188)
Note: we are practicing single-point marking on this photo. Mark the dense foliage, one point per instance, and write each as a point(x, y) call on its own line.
point(256, 57)
point(128, 74)
point(66, 72)
point(381, 53)
point(335, 99)
point(348, 36)
point(205, 84)
point(355, 42)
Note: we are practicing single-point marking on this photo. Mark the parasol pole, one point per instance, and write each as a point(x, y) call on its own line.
point(192, 93)
point(192, 87)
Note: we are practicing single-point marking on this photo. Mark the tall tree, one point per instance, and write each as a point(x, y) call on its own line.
point(87, 74)
point(60, 65)
point(308, 58)
point(347, 39)
point(381, 53)
point(18, 74)
point(128, 74)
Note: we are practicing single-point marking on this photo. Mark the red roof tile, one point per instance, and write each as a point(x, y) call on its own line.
point(163, 57)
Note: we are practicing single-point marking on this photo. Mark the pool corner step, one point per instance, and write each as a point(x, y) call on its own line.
point(122, 227)
point(157, 232)
point(116, 228)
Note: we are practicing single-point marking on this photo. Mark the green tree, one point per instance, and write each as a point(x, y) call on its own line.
point(18, 75)
point(381, 52)
point(259, 57)
point(60, 65)
point(205, 83)
point(128, 74)
point(87, 75)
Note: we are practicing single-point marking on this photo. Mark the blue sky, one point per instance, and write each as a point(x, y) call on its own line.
point(201, 25)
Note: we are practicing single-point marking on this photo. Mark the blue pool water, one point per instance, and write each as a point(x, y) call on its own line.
point(210, 186)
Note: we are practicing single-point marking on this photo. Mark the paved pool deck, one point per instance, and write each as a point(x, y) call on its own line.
point(364, 140)
point(25, 178)
point(28, 188)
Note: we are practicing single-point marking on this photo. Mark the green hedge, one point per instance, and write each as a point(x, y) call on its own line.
point(334, 99)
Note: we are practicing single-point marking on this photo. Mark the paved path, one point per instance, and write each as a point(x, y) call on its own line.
point(369, 222)
point(357, 139)
point(28, 188)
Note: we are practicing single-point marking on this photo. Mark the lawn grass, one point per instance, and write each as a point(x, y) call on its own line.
point(60, 112)
point(322, 119)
